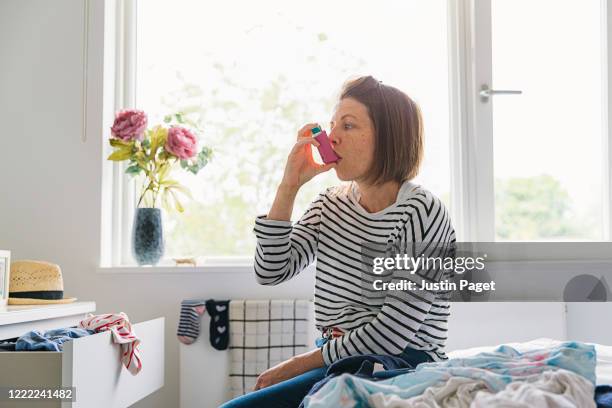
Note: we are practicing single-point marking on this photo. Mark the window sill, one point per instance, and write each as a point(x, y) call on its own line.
point(175, 270)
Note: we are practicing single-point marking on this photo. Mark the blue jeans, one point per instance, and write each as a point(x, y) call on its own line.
point(290, 393)
point(286, 394)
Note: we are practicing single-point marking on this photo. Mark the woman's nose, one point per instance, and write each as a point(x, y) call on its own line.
point(333, 136)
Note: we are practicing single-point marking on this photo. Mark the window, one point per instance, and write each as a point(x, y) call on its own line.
point(528, 167)
point(548, 141)
point(252, 78)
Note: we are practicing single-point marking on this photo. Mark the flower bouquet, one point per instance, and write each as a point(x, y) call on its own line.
point(153, 154)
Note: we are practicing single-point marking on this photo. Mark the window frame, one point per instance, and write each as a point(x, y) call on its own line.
point(113, 27)
point(472, 127)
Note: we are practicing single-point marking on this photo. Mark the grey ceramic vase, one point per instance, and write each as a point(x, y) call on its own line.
point(147, 236)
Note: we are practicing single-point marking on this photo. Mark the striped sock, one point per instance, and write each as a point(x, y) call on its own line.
point(189, 321)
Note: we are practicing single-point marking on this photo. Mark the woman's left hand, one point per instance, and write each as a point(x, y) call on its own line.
point(280, 372)
point(291, 368)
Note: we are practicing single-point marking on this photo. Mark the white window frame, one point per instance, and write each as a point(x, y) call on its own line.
point(472, 187)
point(113, 27)
point(113, 42)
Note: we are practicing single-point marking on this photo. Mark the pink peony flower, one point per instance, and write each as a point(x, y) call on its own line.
point(181, 143)
point(129, 124)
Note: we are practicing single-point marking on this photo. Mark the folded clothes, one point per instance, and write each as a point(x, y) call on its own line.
point(50, 340)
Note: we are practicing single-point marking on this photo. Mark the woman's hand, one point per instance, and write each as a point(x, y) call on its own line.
point(301, 167)
point(280, 372)
point(291, 368)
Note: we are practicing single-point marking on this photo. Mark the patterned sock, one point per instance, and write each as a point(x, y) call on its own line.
point(219, 323)
point(189, 321)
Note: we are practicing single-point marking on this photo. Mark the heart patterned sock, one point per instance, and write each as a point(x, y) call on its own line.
point(219, 323)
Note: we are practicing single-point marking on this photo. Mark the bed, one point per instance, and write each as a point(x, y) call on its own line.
point(603, 368)
point(526, 329)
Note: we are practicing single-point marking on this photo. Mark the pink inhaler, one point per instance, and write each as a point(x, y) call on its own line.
point(325, 150)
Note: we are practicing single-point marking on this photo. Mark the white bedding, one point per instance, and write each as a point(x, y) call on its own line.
point(603, 368)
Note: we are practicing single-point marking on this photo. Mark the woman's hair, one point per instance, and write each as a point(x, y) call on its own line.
point(398, 129)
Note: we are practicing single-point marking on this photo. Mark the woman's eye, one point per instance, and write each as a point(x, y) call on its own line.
point(348, 126)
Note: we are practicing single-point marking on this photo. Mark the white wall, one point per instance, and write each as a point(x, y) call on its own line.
point(51, 194)
point(50, 181)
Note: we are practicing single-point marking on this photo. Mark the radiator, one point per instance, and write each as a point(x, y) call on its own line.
point(205, 372)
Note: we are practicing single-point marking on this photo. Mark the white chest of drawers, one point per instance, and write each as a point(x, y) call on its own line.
point(90, 364)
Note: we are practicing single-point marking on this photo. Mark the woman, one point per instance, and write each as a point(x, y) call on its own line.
point(377, 132)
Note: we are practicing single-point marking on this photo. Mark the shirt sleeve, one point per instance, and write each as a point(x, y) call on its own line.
point(283, 250)
point(404, 311)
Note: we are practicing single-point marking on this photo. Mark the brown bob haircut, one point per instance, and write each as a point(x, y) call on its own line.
point(398, 129)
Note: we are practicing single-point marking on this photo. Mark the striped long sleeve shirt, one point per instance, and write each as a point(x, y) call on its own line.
point(334, 230)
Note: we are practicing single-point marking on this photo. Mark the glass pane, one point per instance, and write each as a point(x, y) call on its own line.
point(547, 141)
point(252, 79)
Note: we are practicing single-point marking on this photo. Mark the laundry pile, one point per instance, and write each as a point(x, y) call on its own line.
point(561, 376)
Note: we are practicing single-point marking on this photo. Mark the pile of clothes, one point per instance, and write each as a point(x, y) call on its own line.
point(561, 376)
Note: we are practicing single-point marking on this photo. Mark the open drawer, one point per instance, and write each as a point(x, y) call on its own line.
point(92, 365)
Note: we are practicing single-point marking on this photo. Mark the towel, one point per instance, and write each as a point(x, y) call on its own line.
point(121, 329)
point(264, 333)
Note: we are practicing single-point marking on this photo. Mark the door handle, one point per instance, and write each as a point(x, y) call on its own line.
point(486, 93)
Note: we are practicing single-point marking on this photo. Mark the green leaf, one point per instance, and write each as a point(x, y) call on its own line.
point(133, 169)
point(146, 143)
point(167, 118)
point(199, 162)
point(120, 155)
point(120, 143)
point(179, 117)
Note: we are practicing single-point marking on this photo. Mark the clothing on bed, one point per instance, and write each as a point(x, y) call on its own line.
point(457, 392)
point(603, 368)
point(551, 389)
point(496, 369)
point(364, 366)
point(603, 396)
point(335, 230)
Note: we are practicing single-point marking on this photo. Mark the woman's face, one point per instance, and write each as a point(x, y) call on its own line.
point(352, 138)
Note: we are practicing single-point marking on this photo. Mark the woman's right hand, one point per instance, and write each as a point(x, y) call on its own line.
point(301, 167)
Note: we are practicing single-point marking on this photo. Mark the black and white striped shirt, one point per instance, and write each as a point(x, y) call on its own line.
point(333, 230)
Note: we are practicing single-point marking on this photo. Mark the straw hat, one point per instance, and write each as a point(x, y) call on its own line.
point(36, 283)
